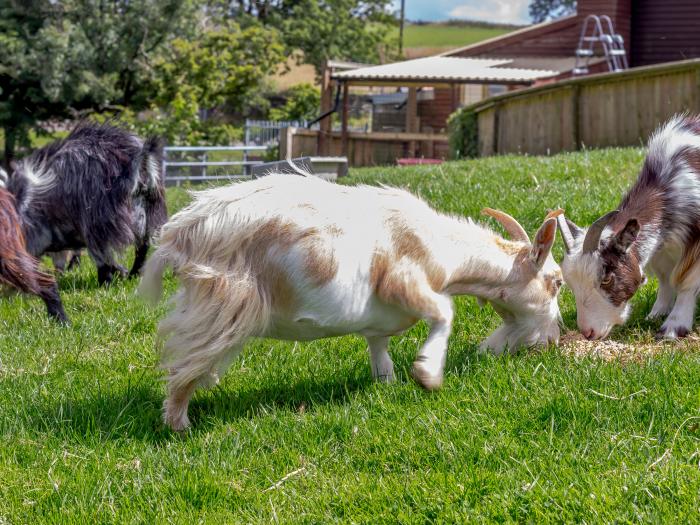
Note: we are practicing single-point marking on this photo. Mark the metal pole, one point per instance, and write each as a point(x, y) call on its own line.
point(401, 22)
point(344, 123)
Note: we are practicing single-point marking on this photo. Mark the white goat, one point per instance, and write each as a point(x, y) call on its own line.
point(298, 258)
point(656, 226)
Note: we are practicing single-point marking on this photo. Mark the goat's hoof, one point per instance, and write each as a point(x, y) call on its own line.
point(655, 316)
point(179, 425)
point(672, 332)
point(424, 378)
point(387, 377)
point(176, 419)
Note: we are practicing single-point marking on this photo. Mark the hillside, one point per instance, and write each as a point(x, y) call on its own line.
point(429, 39)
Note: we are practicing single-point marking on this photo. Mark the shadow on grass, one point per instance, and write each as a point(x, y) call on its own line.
point(135, 413)
point(229, 405)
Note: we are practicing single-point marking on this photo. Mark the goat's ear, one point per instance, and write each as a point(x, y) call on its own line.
point(543, 242)
point(575, 230)
point(13, 165)
point(625, 238)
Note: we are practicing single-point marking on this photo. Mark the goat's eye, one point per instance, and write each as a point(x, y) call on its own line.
point(607, 280)
point(558, 283)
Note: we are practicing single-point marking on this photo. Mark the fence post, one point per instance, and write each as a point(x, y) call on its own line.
point(576, 96)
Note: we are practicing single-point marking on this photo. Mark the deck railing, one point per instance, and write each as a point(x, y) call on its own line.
point(200, 170)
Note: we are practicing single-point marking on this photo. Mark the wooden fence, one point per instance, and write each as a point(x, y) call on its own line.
point(362, 149)
point(611, 109)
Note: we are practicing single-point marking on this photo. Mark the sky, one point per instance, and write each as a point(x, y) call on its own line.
point(497, 11)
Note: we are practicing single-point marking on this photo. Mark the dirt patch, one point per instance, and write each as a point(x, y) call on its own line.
point(575, 345)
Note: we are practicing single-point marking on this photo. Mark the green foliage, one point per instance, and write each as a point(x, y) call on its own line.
point(303, 101)
point(167, 58)
point(357, 30)
point(463, 128)
point(223, 65)
point(59, 59)
point(178, 125)
point(542, 10)
point(299, 432)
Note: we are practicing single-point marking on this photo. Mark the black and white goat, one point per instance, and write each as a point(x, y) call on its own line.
point(656, 226)
point(298, 258)
point(99, 188)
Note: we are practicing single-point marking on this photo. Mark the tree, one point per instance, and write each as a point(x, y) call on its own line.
point(69, 58)
point(541, 10)
point(59, 58)
point(224, 66)
point(322, 29)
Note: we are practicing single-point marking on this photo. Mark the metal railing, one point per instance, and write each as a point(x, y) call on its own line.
point(203, 163)
point(267, 132)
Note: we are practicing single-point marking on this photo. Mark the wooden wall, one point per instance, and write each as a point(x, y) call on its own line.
point(612, 109)
point(433, 114)
point(665, 30)
point(364, 149)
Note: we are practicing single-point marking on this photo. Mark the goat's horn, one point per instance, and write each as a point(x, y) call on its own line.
point(512, 226)
point(566, 234)
point(590, 243)
point(554, 214)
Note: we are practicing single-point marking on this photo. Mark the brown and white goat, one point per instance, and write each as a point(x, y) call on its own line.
point(17, 267)
point(298, 258)
point(656, 226)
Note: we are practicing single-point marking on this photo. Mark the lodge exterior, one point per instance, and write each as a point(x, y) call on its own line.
point(654, 32)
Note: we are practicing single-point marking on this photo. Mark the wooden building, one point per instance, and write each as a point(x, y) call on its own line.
point(654, 32)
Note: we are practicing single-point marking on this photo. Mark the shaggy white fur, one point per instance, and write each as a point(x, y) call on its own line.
point(299, 258)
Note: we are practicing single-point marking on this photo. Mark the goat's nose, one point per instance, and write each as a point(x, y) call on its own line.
point(589, 334)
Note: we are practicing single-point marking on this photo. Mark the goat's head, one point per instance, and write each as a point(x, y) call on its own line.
point(602, 268)
point(528, 303)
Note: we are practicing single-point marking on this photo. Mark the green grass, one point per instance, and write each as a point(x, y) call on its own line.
point(522, 438)
point(448, 36)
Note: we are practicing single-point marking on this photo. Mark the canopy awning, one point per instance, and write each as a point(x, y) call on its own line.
point(440, 70)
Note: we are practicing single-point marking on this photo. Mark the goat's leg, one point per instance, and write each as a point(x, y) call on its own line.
point(687, 279)
point(380, 360)
point(141, 251)
point(662, 265)
point(107, 267)
point(176, 405)
point(680, 321)
point(23, 273)
point(74, 260)
point(430, 363)
point(202, 369)
point(407, 286)
point(54, 306)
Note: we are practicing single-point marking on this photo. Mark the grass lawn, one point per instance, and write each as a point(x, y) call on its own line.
point(425, 39)
point(299, 433)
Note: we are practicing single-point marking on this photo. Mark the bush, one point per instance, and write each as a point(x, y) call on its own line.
point(463, 128)
point(303, 103)
point(179, 127)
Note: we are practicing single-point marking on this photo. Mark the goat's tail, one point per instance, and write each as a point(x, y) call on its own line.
point(151, 184)
point(151, 285)
point(150, 163)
